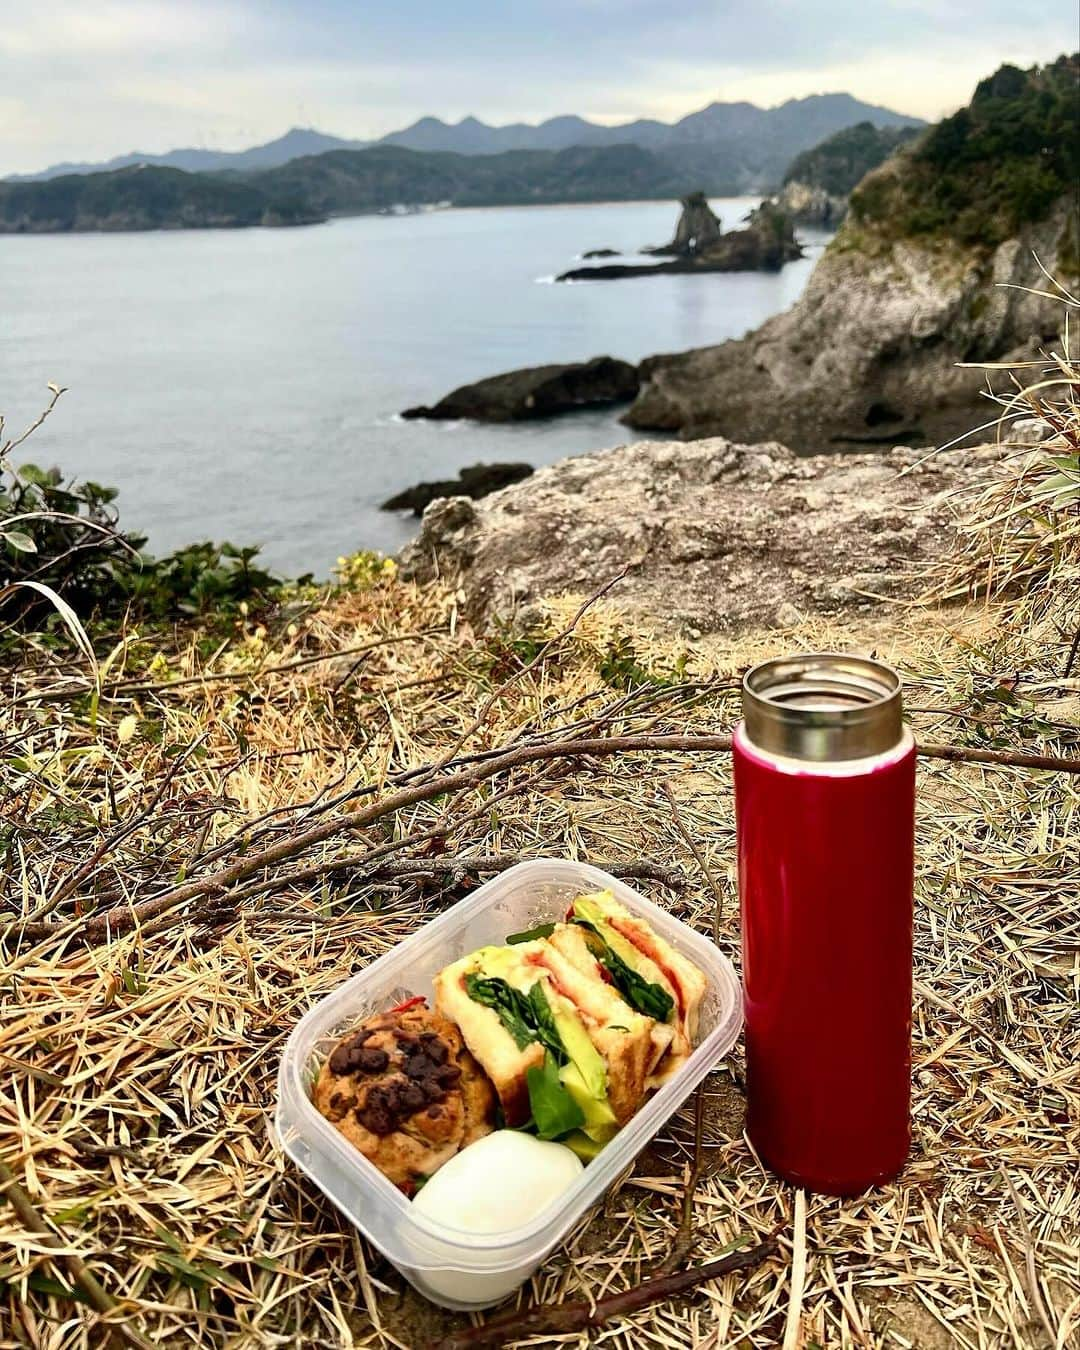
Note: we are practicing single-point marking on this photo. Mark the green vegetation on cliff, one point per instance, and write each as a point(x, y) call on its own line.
point(839, 163)
point(991, 168)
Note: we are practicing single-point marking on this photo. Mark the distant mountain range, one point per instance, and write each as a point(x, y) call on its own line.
point(295, 143)
point(749, 147)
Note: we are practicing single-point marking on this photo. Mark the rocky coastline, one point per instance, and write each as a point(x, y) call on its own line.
point(811, 204)
point(902, 318)
point(535, 392)
point(475, 481)
point(721, 536)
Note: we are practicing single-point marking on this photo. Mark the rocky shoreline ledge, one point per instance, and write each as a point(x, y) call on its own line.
point(721, 536)
point(536, 391)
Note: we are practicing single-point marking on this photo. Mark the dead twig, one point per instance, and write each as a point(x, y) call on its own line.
point(112, 841)
point(419, 869)
point(120, 918)
point(492, 698)
point(684, 1237)
point(226, 677)
point(560, 1319)
point(692, 845)
point(1038, 1303)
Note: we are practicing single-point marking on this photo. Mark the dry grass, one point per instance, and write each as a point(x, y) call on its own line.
point(1020, 531)
point(140, 1074)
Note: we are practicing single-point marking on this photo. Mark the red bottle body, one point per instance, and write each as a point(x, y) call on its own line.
point(826, 862)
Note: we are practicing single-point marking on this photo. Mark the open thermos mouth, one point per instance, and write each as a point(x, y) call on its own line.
point(821, 707)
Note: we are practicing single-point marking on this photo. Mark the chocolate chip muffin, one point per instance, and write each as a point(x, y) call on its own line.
point(403, 1089)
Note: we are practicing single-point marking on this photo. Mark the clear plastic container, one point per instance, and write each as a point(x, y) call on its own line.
point(480, 1269)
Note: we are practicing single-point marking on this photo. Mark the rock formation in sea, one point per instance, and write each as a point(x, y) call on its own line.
point(765, 243)
point(475, 481)
point(722, 536)
point(537, 391)
point(697, 231)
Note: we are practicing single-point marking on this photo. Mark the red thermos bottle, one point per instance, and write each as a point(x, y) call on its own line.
point(825, 808)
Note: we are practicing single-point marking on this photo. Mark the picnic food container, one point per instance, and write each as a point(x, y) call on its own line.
point(824, 801)
point(454, 1268)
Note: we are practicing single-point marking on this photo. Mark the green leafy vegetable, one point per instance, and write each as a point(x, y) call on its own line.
point(547, 1033)
point(542, 930)
point(527, 1017)
point(513, 1008)
point(643, 995)
point(554, 1111)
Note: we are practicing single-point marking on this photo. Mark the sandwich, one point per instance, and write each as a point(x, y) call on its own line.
point(560, 1046)
point(602, 937)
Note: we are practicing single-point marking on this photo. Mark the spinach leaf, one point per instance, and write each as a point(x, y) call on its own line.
point(527, 1017)
point(513, 1008)
point(541, 930)
point(642, 995)
point(554, 1111)
point(547, 1033)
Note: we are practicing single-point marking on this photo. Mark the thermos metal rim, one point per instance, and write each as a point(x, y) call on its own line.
point(823, 706)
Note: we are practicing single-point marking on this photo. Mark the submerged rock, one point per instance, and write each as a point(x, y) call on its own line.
point(476, 480)
point(537, 391)
point(725, 536)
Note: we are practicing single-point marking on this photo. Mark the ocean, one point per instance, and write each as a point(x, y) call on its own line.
point(246, 385)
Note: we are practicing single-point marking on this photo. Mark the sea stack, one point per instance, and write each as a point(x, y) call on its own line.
point(697, 230)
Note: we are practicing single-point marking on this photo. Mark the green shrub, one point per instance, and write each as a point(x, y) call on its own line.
point(66, 536)
point(991, 168)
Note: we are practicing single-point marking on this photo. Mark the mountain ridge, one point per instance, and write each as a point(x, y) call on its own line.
point(471, 136)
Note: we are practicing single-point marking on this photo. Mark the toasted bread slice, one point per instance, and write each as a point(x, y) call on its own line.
point(657, 961)
point(490, 1044)
point(621, 1035)
point(569, 939)
point(688, 984)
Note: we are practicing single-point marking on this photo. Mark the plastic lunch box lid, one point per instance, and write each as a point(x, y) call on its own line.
point(377, 1207)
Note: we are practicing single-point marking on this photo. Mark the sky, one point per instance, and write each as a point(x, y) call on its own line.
point(88, 79)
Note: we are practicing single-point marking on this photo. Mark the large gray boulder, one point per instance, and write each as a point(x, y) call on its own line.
point(722, 536)
point(537, 391)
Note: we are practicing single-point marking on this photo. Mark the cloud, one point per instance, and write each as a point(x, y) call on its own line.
point(86, 81)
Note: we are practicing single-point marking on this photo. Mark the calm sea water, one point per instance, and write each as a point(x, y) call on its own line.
point(245, 385)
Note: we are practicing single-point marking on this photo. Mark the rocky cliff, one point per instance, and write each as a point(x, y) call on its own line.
point(818, 182)
point(871, 351)
point(811, 204)
point(927, 272)
point(721, 536)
